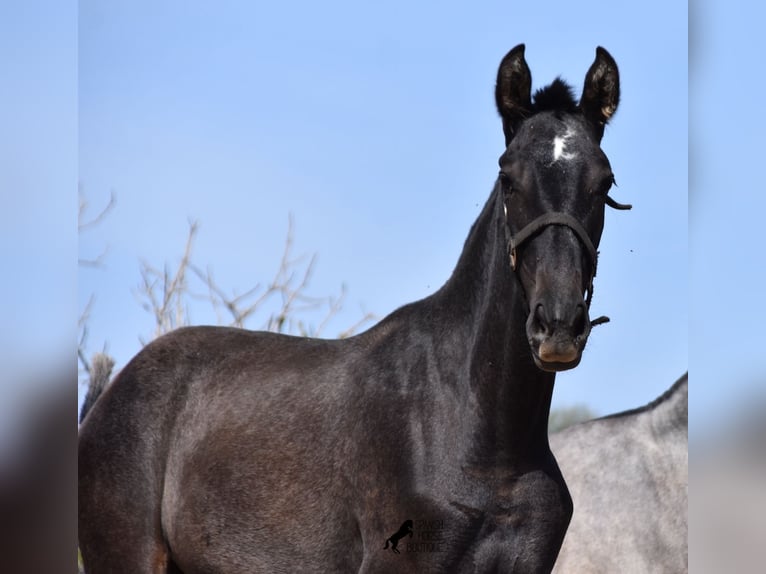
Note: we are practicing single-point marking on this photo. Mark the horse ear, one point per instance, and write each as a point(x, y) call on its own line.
point(513, 90)
point(601, 92)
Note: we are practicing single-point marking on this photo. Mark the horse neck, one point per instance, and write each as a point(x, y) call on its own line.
point(507, 399)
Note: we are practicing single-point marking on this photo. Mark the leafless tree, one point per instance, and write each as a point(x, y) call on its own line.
point(280, 303)
point(166, 292)
point(84, 222)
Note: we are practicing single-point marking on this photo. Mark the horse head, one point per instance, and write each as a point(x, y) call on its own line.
point(555, 178)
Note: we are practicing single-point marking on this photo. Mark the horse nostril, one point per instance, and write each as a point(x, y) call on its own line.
point(580, 322)
point(574, 325)
point(539, 321)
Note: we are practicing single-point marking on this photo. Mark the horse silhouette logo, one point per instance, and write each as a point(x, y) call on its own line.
point(404, 530)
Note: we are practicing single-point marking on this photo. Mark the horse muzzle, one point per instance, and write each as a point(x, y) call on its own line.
point(557, 338)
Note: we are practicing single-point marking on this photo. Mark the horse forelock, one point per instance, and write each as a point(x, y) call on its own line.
point(558, 96)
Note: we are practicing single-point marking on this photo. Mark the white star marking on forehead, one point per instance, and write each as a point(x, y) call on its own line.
point(559, 143)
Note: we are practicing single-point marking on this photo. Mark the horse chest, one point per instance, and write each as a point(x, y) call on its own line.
point(505, 524)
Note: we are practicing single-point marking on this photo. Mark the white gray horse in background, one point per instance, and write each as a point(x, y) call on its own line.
point(628, 477)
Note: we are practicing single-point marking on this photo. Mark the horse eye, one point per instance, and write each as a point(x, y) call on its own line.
point(606, 184)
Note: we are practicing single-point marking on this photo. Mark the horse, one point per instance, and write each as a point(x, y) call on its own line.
point(404, 530)
point(628, 475)
point(226, 450)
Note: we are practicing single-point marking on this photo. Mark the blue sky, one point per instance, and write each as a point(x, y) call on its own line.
point(375, 128)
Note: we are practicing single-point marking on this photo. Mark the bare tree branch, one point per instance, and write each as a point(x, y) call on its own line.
point(365, 319)
point(82, 327)
point(83, 225)
point(164, 294)
point(218, 298)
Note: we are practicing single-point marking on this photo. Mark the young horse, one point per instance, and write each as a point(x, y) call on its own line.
point(220, 450)
point(628, 475)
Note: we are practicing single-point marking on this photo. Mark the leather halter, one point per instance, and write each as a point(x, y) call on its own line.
point(553, 218)
point(559, 218)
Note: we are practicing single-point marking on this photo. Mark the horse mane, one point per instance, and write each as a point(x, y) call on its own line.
point(669, 393)
point(652, 405)
point(558, 96)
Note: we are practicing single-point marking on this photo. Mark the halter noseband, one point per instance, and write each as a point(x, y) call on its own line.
point(554, 218)
point(558, 218)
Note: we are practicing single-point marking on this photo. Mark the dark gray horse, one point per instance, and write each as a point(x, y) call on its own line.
point(628, 477)
point(219, 450)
